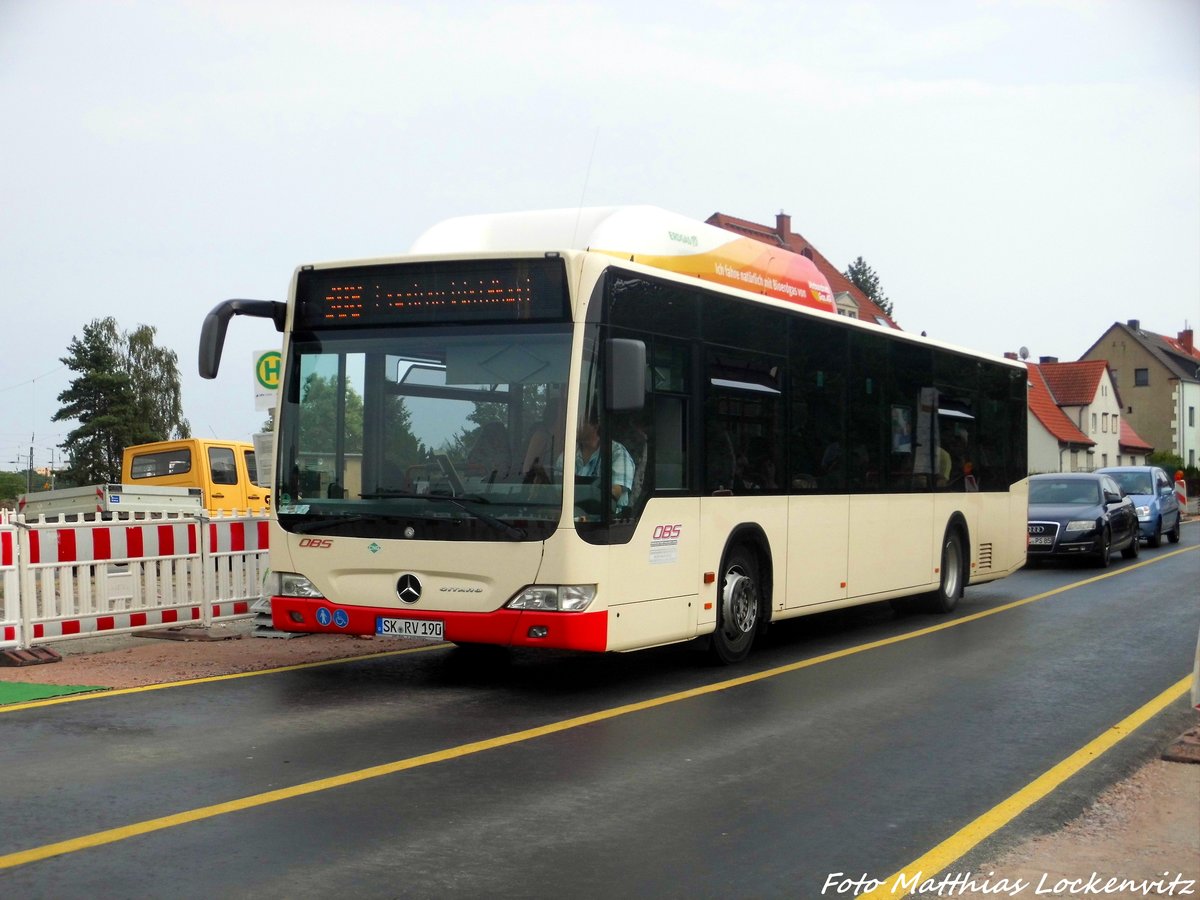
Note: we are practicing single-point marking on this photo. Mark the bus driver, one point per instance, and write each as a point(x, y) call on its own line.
point(587, 463)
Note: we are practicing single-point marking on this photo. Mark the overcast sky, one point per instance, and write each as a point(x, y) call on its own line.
point(1017, 173)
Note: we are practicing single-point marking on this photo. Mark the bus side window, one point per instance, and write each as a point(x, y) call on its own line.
point(817, 359)
point(742, 417)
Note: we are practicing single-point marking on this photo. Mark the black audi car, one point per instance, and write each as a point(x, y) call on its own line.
point(1080, 514)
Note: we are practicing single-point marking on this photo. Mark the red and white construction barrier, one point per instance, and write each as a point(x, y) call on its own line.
point(95, 625)
point(68, 580)
point(10, 594)
point(88, 542)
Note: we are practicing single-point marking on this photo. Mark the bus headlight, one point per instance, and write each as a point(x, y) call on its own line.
point(554, 597)
point(289, 584)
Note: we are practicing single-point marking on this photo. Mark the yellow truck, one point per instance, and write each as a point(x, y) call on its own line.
point(226, 472)
point(185, 476)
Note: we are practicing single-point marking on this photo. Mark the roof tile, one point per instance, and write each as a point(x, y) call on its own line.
point(1053, 419)
point(1074, 383)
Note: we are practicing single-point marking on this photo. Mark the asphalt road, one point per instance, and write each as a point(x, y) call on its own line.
point(852, 742)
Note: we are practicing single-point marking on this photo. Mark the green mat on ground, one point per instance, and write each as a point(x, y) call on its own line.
point(19, 692)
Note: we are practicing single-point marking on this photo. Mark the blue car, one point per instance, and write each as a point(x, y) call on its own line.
point(1153, 495)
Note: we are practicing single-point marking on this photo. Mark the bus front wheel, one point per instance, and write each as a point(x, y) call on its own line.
point(739, 607)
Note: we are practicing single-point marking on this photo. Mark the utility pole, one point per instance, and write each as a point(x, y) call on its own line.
point(29, 477)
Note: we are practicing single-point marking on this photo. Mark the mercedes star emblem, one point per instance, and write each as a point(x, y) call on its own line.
point(408, 588)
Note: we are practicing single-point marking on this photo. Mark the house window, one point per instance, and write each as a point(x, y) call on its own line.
point(1104, 422)
point(1103, 460)
point(1191, 417)
point(1141, 377)
point(1093, 423)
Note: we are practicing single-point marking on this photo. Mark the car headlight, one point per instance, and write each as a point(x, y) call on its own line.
point(1077, 525)
point(1143, 513)
point(554, 597)
point(289, 584)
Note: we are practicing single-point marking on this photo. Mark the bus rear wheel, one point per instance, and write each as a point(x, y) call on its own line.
point(954, 574)
point(739, 607)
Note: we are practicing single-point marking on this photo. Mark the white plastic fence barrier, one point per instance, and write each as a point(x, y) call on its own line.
point(64, 580)
point(10, 598)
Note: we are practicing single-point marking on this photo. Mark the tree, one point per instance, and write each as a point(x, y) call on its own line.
point(318, 416)
point(126, 391)
point(154, 374)
point(865, 279)
point(12, 485)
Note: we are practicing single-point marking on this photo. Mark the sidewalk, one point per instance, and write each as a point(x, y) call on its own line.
point(1143, 829)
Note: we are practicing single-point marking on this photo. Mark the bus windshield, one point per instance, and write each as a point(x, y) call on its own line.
point(425, 433)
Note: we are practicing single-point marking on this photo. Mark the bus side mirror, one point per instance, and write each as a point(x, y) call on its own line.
point(212, 333)
point(626, 366)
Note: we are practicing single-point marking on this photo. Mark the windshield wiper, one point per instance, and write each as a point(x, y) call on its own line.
point(500, 525)
point(322, 524)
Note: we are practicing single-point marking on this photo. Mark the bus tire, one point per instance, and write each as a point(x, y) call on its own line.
point(739, 607)
point(953, 574)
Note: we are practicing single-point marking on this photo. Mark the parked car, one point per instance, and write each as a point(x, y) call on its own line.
point(1153, 496)
point(1080, 514)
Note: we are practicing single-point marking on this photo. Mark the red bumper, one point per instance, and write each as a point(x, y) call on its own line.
point(504, 627)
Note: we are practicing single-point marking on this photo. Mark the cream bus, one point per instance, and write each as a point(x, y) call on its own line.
point(612, 429)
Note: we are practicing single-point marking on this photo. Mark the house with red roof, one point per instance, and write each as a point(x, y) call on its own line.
point(850, 300)
point(1056, 444)
point(1159, 379)
point(1075, 419)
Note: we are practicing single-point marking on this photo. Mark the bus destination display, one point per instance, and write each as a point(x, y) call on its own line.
point(426, 293)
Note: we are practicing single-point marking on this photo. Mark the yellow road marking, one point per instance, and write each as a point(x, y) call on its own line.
point(902, 883)
point(112, 835)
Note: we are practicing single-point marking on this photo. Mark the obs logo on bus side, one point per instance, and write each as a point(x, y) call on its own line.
point(664, 545)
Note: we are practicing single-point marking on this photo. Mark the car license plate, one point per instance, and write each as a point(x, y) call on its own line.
point(420, 629)
point(1044, 541)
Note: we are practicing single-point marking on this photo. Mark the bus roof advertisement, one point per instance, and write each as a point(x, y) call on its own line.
point(647, 235)
point(771, 273)
point(655, 237)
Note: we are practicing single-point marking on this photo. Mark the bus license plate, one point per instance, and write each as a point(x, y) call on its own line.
point(1044, 541)
point(420, 629)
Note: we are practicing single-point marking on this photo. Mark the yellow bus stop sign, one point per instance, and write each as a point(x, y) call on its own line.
point(267, 368)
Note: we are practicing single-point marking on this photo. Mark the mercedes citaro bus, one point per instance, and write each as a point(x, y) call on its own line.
point(611, 429)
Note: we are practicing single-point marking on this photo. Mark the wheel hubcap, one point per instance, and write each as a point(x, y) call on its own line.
point(952, 570)
point(738, 603)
